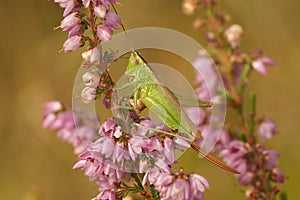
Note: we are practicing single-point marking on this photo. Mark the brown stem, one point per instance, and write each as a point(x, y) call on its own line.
point(94, 42)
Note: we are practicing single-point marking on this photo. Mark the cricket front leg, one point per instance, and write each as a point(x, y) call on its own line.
point(136, 102)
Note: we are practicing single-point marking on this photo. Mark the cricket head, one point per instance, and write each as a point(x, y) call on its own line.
point(135, 61)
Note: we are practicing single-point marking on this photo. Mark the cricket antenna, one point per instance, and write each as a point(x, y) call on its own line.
point(124, 29)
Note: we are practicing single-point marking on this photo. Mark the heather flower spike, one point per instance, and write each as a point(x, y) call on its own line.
point(238, 145)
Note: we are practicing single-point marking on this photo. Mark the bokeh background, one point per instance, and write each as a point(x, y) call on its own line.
point(34, 163)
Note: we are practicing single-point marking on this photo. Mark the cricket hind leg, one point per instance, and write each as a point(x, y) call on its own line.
point(213, 159)
point(199, 102)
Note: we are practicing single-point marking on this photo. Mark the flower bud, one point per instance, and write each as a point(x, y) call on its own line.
point(169, 149)
point(53, 106)
point(69, 5)
point(245, 179)
point(260, 64)
point(143, 165)
point(104, 33)
point(277, 175)
point(71, 24)
point(251, 194)
point(189, 6)
point(88, 94)
point(233, 34)
point(72, 43)
point(91, 79)
point(86, 3)
point(267, 128)
point(113, 20)
point(198, 23)
point(100, 11)
point(107, 102)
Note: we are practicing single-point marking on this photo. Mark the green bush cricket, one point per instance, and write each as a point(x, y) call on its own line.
point(164, 103)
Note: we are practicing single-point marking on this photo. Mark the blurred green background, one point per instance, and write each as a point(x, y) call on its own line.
point(33, 162)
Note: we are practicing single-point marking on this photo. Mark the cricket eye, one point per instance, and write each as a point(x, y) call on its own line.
point(135, 61)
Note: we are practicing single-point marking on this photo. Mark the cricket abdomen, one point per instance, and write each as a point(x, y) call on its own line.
point(167, 110)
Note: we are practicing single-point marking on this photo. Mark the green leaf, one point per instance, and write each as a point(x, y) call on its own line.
point(283, 196)
point(137, 180)
point(154, 193)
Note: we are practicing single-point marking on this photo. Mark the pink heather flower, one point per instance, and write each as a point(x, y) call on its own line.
point(155, 145)
point(169, 150)
point(106, 146)
point(100, 11)
point(198, 182)
point(51, 110)
point(69, 5)
point(53, 107)
point(104, 33)
point(107, 103)
point(111, 171)
point(181, 144)
point(91, 162)
point(260, 64)
point(118, 133)
point(189, 6)
point(206, 76)
point(119, 152)
point(113, 20)
point(95, 57)
point(154, 172)
point(143, 165)
point(91, 79)
point(245, 179)
point(233, 34)
point(86, 134)
point(181, 186)
point(63, 122)
point(204, 64)
point(108, 128)
point(251, 194)
point(111, 1)
point(277, 175)
point(203, 93)
point(136, 144)
point(106, 58)
point(72, 43)
point(196, 114)
point(234, 156)
point(92, 55)
point(236, 72)
point(86, 3)
point(223, 141)
point(71, 24)
point(267, 128)
point(88, 94)
point(270, 158)
point(106, 190)
point(144, 131)
point(96, 166)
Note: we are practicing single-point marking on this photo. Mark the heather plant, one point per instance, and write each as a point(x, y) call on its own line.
point(240, 143)
point(137, 160)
